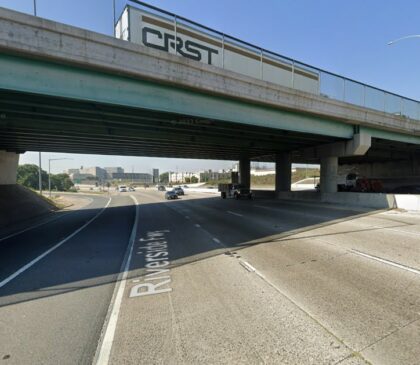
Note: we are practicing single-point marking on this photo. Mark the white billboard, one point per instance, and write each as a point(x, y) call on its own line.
point(159, 32)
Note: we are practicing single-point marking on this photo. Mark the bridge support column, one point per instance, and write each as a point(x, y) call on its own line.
point(329, 167)
point(245, 171)
point(283, 172)
point(8, 167)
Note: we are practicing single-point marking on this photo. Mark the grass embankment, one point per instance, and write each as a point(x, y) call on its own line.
point(269, 180)
point(55, 200)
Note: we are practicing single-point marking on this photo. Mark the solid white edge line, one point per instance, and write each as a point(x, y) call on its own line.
point(104, 348)
point(33, 227)
point(40, 257)
point(38, 224)
point(391, 263)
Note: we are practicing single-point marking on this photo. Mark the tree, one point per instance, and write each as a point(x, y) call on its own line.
point(187, 180)
point(164, 178)
point(61, 182)
point(28, 175)
point(194, 180)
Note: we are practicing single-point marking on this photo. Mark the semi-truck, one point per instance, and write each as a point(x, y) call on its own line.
point(235, 191)
point(356, 183)
point(154, 29)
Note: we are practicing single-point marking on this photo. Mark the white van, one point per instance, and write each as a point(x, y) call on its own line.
point(122, 189)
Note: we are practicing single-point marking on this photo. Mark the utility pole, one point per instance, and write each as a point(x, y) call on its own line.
point(35, 7)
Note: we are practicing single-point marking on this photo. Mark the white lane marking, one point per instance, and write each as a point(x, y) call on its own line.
point(108, 339)
point(39, 224)
point(216, 240)
point(40, 257)
point(157, 263)
point(237, 214)
point(33, 227)
point(197, 225)
point(187, 217)
point(260, 206)
point(247, 266)
point(402, 231)
point(391, 263)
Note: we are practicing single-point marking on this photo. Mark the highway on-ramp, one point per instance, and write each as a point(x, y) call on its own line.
point(206, 280)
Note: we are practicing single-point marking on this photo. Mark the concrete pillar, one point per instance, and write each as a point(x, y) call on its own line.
point(329, 167)
point(8, 167)
point(283, 172)
point(245, 171)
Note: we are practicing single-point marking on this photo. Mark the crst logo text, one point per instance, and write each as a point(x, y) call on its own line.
point(188, 49)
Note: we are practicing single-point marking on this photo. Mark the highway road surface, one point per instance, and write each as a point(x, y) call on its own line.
point(130, 278)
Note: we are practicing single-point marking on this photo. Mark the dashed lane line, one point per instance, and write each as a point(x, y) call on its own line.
point(197, 225)
point(248, 266)
point(216, 240)
point(391, 263)
point(233, 213)
point(40, 257)
point(104, 349)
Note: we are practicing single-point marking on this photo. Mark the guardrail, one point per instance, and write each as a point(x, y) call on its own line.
point(329, 85)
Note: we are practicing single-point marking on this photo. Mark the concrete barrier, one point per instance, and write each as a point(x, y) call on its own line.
point(366, 200)
point(408, 202)
point(202, 190)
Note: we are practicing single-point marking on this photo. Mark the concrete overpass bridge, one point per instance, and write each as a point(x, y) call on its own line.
point(65, 89)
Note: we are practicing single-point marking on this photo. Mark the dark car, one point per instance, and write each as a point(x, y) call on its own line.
point(169, 195)
point(161, 188)
point(178, 191)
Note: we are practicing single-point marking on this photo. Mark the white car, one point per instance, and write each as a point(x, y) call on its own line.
point(122, 189)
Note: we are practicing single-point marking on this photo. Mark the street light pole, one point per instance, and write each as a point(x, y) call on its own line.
point(49, 171)
point(35, 7)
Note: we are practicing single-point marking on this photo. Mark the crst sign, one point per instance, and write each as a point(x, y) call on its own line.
point(157, 31)
point(164, 41)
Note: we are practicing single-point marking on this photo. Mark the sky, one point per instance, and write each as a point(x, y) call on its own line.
point(345, 37)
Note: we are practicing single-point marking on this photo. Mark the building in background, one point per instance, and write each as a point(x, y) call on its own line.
point(134, 177)
point(183, 177)
point(113, 170)
point(98, 176)
point(95, 171)
point(200, 176)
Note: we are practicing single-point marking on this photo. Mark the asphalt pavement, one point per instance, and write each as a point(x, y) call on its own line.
point(206, 280)
point(53, 312)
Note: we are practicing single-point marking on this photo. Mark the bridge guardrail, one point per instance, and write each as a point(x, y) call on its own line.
point(326, 84)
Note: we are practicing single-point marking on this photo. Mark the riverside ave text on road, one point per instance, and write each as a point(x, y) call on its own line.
point(157, 279)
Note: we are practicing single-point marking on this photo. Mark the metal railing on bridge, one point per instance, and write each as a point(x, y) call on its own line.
point(243, 57)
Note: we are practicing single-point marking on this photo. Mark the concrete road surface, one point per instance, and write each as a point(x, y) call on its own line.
point(206, 280)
